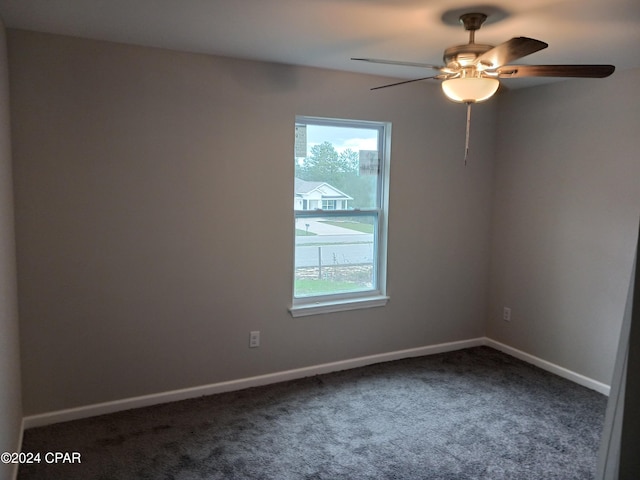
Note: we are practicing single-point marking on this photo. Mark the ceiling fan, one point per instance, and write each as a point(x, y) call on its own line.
point(472, 72)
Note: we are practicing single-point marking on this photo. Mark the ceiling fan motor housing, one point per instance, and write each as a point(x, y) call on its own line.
point(463, 55)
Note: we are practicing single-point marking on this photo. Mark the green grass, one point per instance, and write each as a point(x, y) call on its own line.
point(304, 233)
point(305, 287)
point(357, 226)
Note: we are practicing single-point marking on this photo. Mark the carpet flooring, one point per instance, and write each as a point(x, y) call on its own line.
point(470, 414)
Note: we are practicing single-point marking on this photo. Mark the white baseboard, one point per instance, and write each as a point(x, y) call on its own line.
point(242, 383)
point(194, 392)
point(550, 367)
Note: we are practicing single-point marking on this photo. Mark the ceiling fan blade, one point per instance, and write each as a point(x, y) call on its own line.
point(402, 83)
point(395, 62)
point(509, 51)
point(582, 71)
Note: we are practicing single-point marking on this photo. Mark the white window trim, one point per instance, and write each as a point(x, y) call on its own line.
point(318, 308)
point(357, 300)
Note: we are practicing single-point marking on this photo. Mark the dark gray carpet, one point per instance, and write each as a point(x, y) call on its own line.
point(471, 414)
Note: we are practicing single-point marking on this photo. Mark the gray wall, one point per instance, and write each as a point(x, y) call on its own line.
point(10, 398)
point(154, 218)
point(565, 217)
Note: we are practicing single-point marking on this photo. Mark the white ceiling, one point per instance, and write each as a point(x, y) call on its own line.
point(326, 33)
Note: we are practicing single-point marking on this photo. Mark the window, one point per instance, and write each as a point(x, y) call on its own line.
point(328, 204)
point(340, 212)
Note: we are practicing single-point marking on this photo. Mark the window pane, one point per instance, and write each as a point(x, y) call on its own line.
point(334, 254)
point(339, 169)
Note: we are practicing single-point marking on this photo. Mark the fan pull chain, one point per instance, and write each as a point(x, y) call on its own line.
point(466, 141)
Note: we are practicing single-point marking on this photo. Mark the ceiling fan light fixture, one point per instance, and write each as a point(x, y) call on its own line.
point(470, 89)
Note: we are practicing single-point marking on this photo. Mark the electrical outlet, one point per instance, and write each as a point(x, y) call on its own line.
point(254, 339)
point(506, 314)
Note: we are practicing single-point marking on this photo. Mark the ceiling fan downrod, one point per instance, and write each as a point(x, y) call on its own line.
point(472, 22)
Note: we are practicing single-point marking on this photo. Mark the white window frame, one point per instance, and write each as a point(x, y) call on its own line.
point(377, 296)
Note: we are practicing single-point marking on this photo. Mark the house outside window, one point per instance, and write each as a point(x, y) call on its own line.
point(318, 195)
point(340, 213)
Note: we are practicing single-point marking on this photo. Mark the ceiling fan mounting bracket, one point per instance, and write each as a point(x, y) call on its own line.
point(472, 21)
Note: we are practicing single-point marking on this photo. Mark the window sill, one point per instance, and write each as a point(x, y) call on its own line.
point(338, 306)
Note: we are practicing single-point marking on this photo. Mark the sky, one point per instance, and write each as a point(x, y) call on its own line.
point(342, 138)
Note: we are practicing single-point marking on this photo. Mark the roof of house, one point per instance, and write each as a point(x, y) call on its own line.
point(303, 187)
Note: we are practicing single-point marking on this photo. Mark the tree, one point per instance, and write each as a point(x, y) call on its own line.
point(324, 164)
point(340, 170)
